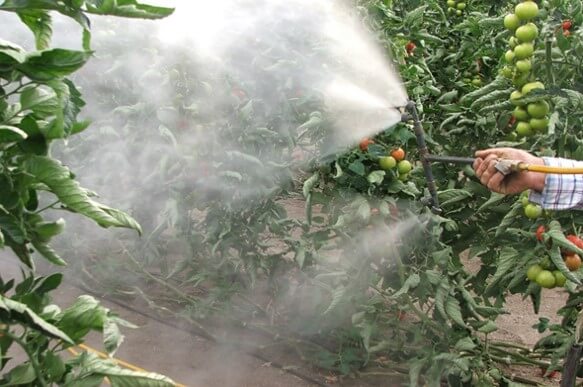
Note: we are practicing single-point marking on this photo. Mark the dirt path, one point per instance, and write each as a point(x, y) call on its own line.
point(194, 361)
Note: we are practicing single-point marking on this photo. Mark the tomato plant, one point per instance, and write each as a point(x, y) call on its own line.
point(341, 275)
point(40, 104)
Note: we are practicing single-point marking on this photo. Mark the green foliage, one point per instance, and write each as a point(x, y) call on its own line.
point(357, 261)
point(39, 104)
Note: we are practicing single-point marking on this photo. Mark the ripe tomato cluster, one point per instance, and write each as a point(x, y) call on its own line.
point(410, 48)
point(566, 26)
point(530, 118)
point(545, 274)
point(456, 7)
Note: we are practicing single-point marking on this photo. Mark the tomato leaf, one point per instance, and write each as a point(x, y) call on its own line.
point(39, 22)
point(11, 134)
point(52, 64)
point(454, 311)
point(58, 178)
point(112, 337)
point(23, 374)
point(555, 254)
point(410, 283)
point(26, 316)
point(506, 261)
point(47, 252)
point(127, 8)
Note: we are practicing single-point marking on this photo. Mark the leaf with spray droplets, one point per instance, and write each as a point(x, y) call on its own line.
point(337, 298)
point(376, 177)
point(59, 179)
point(410, 283)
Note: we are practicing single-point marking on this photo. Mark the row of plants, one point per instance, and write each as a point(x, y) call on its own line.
point(366, 273)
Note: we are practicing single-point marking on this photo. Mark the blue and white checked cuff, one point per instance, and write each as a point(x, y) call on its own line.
point(561, 192)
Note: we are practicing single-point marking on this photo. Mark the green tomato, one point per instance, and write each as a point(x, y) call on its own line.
point(524, 65)
point(387, 163)
point(506, 72)
point(404, 167)
point(404, 176)
point(532, 86)
point(459, 12)
point(526, 11)
point(514, 97)
point(520, 114)
point(461, 6)
point(546, 279)
point(451, 3)
point(539, 124)
point(538, 109)
point(524, 50)
point(511, 22)
point(521, 79)
point(533, 272)
point(560, 278)
point(509, 56)
point(513, 42)
point(523, 129)
point(527, 33)
point(477, 82)
point(533, 211)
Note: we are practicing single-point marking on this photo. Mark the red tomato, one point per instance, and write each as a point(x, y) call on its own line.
point(574, 239)
point(364, 143)
point(410, 47)
point(567, 24)
point(539, 232)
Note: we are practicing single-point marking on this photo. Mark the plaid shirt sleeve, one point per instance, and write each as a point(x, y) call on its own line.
point(561, 192)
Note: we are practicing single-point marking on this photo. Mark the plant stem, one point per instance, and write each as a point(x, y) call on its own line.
point(549, 61)
point(33, 361)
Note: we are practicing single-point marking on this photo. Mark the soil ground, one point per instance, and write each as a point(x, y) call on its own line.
point(194, 361)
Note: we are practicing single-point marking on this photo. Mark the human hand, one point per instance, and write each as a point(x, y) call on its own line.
point(485, 167)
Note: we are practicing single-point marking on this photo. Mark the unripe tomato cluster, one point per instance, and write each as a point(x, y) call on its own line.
point(473, 79)
point(531, 210)
point(396, 162)
point(530, 118)
point(456, 7)
point(545, 274)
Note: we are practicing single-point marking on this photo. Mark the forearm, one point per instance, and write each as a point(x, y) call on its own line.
point(560, 192)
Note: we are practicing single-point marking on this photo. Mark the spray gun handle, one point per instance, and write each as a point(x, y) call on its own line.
point(506, 167)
